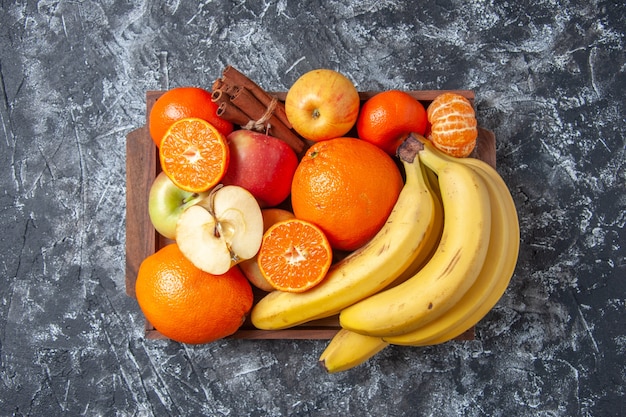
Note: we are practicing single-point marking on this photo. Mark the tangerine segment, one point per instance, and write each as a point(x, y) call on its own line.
point(294, 256)
point(194, 154)
point(453, 124)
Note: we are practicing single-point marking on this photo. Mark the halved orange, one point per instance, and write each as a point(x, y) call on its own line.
point(194, 154)
point(295, 255)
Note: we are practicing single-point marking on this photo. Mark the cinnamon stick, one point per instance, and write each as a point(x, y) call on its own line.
point(232, 77)
point(228, 111)
point(242, 102)
point(261, 117)
point(226, 87)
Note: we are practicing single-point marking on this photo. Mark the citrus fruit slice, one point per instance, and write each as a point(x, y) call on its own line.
point(194, 154)
point(294, 256)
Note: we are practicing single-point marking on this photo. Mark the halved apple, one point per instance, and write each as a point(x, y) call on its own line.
point(222, 230)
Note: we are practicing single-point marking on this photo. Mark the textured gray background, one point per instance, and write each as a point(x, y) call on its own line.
point(549, 78)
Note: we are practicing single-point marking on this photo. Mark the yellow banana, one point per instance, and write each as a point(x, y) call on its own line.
point(348, 349)
point(450, 272)
point(434, 234)
point(365, 271)
point(432, 181)
point(510, 258)
point(497, 269)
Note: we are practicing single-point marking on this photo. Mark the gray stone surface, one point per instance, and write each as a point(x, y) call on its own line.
point(549, 78)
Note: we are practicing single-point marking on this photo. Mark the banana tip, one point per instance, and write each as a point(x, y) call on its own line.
point(322, 363)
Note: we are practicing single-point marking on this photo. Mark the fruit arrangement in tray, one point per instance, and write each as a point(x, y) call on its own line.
point(369, 218)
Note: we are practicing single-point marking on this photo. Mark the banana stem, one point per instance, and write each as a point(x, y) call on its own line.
point(426, 153)
point(410, 148)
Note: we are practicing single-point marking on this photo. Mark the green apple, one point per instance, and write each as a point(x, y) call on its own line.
point(167, 202)
point(222, 230)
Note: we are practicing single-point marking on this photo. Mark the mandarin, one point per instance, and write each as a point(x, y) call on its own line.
point(387, 118)
point(250, 267)
point(347, 187)
point(294, 256)
point(453, 123)
point(189, 305)
point(194, 154)
point(179, 103)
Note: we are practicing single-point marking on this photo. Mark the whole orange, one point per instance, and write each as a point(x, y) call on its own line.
point(347, 187)
point(182, 102)
point(189, 305)
point(387, 118)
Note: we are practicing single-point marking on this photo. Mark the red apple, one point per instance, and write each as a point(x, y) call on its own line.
point(262, 164)
point(322, 104)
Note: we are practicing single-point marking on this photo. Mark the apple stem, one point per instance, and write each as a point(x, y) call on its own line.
point(217, 230)
point(211, 199)
point(190, 197)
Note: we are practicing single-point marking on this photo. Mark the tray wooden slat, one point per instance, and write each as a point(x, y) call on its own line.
point(142, 240)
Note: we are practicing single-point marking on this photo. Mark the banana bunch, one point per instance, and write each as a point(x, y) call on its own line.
point(438, 266)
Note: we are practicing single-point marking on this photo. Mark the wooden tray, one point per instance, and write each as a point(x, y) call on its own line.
point(142, 240)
